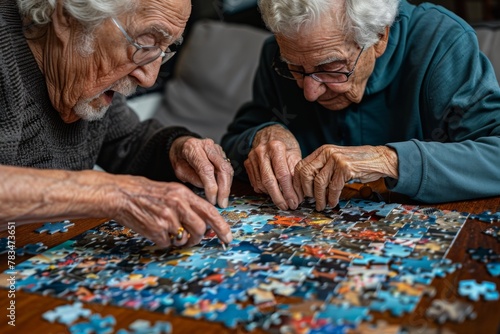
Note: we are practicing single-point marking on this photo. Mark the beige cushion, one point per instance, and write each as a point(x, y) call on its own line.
point(212, 78)
point(488, 34)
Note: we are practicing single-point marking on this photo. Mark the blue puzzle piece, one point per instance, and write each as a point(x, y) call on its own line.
point(486, 216)
point(67, 314)
point(96, 324)
point(32, 249)
point(233, 314)
point(52, 228)
point(391, 249)
point(396, 304)
point(493, 268)
point(344, 314)
point(474, 290)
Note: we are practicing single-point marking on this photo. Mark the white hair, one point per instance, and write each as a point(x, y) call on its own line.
point(363, 20)
point(89, 13)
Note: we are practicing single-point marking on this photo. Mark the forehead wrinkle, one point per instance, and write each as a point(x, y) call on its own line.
point(165, 33)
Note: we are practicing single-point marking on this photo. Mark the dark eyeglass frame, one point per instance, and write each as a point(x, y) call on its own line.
point(165, 55)
point(281, 68)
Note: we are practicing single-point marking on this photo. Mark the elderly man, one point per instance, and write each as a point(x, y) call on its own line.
point(368, 89)
point(65, 67)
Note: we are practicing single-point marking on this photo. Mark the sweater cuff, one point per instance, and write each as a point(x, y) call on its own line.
point(410, 169)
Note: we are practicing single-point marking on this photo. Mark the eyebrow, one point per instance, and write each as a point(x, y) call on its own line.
point(326, 61)
point(164, 32)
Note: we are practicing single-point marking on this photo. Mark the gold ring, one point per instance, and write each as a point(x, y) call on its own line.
point(180, 233)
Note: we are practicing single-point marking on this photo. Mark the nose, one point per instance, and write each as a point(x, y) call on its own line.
point(312, 88)
point(146, 75)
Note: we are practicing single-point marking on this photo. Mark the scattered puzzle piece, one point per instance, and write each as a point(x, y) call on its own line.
point(96, 324)
point(442, 311)
point(67, 314)
point(487, 216)
point(52, 228)
point(474, 290)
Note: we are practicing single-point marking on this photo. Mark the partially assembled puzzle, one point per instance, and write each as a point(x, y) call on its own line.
point(302, 270)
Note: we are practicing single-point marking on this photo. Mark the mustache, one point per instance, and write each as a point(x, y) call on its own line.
point(125, 86)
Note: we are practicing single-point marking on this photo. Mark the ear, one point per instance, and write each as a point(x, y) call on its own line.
point(61, 21)
point(381, 45)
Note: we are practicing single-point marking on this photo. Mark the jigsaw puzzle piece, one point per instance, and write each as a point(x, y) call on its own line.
point(341, 314)
point(96, 324)
point(67, 314)
point(233, 314)
point(482, 254)
point(474, 290)
point(442, 311)
point(486, 216)
point(397, 304)
point(52, 228)
point(395, 250)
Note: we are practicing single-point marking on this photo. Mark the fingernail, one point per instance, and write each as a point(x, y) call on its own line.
point(228, 237)
point(292, 204)
point(225, 202)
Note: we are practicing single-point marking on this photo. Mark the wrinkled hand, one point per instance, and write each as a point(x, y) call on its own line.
point(203, 163)
point(271, 163)
point(157, 210)
point(322, 174)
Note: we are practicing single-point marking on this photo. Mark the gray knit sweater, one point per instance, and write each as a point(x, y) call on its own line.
point(33, 134)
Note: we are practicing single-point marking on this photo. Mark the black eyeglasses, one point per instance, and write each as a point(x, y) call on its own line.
point(321, 76)
point(146, 54)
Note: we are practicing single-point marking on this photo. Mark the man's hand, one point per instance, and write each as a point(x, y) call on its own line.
point(157, 210)
point(271, 163)
point(322, 174)
point(203, 163)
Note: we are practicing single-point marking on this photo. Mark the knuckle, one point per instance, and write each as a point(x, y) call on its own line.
point(207, 169)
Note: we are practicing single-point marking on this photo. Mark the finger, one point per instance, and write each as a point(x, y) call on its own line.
point(193, 225)
point(284, 178)
point(179, 237)
point(307, 170)
point(307, 174)
point(224, 181)
point(337, 183)
point(297, 188)
point(161, 240)
point(211, 217)
point(206, 173)
point(253, 171)
point(271, 185)
point(321, 183)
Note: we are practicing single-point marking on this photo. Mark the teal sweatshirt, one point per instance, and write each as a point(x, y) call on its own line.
point(433, 97)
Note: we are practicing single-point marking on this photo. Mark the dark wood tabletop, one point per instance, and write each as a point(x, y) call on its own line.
point(29, 307)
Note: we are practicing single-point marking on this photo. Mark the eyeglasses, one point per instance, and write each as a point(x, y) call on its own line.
point(146, 54)
point(321, 76)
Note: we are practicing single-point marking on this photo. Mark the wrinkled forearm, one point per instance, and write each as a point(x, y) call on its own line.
point(32, 195)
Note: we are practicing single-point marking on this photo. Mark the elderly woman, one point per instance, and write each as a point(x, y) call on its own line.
point(65, 67)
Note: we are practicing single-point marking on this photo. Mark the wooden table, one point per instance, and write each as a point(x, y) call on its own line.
point(29, 307)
